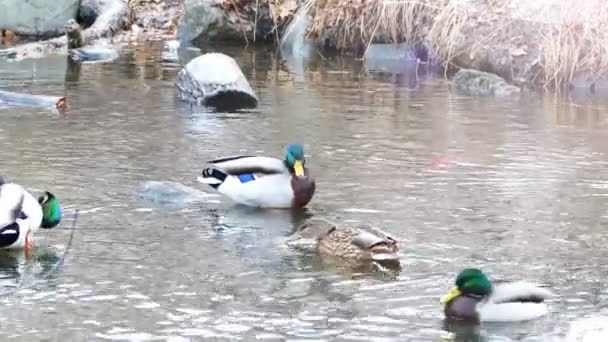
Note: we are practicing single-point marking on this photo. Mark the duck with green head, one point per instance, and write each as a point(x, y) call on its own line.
point(265, 182)
point(21, 215)
point(475, 298)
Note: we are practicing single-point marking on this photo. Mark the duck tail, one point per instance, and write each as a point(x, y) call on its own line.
point(213, 177)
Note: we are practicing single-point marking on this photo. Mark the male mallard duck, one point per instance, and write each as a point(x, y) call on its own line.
point(363, 243)
point(476, 298)
point(263, 181)
point(21, 215)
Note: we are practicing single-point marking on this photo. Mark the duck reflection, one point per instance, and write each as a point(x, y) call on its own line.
point(16, 269)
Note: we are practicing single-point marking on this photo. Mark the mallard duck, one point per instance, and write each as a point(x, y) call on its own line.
point(361, 243)
point(475, 298)
point(264, 182)
point(21, 215)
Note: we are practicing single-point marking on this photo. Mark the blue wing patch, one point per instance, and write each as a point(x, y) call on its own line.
point(246, 177)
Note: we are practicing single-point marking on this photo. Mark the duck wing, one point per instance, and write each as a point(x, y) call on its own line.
point(239, 165)
point(519, 292)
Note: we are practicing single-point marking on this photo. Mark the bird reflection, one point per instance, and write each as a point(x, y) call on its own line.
point(17, 270)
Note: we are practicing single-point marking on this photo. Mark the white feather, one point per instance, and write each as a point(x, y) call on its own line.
point(267, 191)
point(498, 308)
point(208, 180)
point(266, 163)
point(10, 196)
point(511, 312)
point(504, 292)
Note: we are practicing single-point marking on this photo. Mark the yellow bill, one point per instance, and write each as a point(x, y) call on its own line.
point(454, 292)
point(298, 167)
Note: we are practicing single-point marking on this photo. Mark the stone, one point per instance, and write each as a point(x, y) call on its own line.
point(37, 17)
point(203, 20)
point(215, 80)
point(475, 82)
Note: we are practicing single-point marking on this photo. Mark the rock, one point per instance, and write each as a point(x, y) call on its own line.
point(475, 82)
point(93, 54)
point(37, 17)
point(165, 192)
point(215, 80)
point(203, 21)
point(241, 21)
point(102, 17)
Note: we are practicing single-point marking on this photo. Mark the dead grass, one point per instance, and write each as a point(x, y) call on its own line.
point(576, 42)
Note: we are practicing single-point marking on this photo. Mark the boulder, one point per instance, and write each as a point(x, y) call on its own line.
point(215, 80)
point(475, 82)
point(37, 17)
point(239, 21)
point(203, 20)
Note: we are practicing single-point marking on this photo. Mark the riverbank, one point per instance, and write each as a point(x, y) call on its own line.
point(555, 44)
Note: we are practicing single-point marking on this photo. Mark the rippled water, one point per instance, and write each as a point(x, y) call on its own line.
point(516, 186)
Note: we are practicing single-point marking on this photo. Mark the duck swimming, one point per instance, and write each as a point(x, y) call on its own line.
point(362, 243)
point(21, 215)
point(475, 298)
point(264, 182)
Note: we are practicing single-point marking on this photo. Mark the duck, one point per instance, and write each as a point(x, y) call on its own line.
point(361, 243)
point(475, 298)
point(21, 215)
point(263, 182)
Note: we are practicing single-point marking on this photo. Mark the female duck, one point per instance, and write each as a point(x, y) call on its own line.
point(264, 182)
point(21, 215)
point(363, 243)
point(475, 298)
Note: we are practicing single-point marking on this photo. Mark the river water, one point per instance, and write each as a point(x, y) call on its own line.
point(516, 186)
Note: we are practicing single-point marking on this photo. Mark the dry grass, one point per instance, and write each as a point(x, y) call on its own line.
point(576, 42)
point(361, 22)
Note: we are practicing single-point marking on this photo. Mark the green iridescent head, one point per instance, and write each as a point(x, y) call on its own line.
point(51, 210)
point(469, 281)
point(294, 159)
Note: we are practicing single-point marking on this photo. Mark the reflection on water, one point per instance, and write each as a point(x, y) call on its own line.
point(516, 186)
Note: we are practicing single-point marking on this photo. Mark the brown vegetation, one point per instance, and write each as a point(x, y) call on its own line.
point(575, 42)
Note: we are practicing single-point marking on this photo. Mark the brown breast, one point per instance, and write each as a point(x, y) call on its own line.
point(303, 190)
point(463, 307)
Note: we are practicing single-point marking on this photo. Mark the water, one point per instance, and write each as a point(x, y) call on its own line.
point(517, 187)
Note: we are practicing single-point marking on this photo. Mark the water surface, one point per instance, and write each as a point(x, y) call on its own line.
point(516, 186)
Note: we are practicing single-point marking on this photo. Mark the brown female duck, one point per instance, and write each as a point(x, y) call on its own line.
point(362, 243)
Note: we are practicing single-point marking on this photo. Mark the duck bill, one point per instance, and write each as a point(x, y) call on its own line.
point(298, 168)
point(454, 292)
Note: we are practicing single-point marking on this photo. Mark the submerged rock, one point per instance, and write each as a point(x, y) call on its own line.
point(37, 17)
point(165, 192)
point(241, 21)
point(93, 54)
point(475, 82)
point(215, 80)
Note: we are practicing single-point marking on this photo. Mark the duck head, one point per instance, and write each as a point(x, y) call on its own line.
point(294, 159)
point(470, 281)
point(51, 210)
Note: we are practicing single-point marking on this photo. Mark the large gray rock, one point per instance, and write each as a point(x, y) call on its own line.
point(37, 17)
point(475, 82)
point(210, 20)
point(215, 80)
